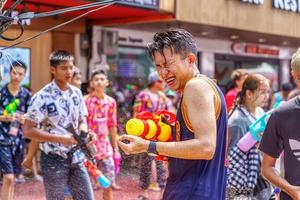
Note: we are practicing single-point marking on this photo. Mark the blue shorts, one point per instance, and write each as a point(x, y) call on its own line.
point(11, 159)
point(59, 173)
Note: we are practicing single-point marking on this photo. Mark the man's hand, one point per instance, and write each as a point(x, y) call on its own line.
point(136, 144)
point(92, 136)
point(7, 118)
point(295, 192)
point(27, 162)
point(116, 152)
point(68, 140)
point(20, 118)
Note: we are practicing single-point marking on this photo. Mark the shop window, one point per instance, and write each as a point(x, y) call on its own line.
point(130, 66)
point(225, 64)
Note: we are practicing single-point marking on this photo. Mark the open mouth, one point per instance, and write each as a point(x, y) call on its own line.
point(170, 81)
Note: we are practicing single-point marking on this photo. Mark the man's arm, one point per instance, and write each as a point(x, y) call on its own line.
point(6, 118)
point(32, 150)
point(113, 135)
point(199, 102)
point(33, 133)
point(268, 171)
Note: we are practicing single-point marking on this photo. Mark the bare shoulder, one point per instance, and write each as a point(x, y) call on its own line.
point(199, 87)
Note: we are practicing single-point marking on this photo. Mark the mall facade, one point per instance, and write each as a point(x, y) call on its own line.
point(257, 35)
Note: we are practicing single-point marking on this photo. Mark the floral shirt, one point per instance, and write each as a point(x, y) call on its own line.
point(149, 101)
point(102, 115)
point(5, 98)
point(54, 110)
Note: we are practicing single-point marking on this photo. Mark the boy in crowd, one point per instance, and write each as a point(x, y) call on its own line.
point(11, 134)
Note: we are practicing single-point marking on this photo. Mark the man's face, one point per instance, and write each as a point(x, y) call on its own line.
point(99, 81)
point(76, 80)
point(172, 69)
point(17, 74)
point(296, 77)
point(159, 85)
point(63, 72)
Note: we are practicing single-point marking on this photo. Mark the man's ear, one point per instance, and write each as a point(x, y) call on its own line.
point(191, 58)
point(52, 70)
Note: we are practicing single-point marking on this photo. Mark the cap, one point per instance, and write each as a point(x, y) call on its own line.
point(152, 77)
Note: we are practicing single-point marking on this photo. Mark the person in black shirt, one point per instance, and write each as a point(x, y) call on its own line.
point(282, 134)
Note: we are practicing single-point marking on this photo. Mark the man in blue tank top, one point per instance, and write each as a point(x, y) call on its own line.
point(197, 154)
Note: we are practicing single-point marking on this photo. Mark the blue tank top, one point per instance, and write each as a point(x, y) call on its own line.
point(199, 179)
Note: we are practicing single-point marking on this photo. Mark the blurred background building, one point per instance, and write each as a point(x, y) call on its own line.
point(258, 35)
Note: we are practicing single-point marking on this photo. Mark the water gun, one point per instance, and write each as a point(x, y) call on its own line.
point(95, 172)
point(89, 151)
point(254, 135)
point(11, 107)
point(157, 127)
point(117, 162)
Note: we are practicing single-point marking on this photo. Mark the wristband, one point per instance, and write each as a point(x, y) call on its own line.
point(152, 148)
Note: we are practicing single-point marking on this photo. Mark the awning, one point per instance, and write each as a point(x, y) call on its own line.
point(115, 14)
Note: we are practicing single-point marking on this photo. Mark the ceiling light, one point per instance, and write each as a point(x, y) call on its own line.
point(204, 33)
point(262, 40)
point(234, 37)
point(285, 43)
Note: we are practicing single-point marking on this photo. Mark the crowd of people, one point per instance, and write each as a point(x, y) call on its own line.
point(205, 157)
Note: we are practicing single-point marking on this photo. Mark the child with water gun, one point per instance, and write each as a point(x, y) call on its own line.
point(14, 101)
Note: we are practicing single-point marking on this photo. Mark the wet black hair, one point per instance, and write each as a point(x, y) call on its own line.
point(18, 63)
point(178, 40)
point(59, 56)
point(97, 73)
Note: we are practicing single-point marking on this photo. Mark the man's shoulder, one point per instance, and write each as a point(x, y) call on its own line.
point(75, 89)
point(25, 91)
point(202, 86)
point(3, 90)
point(46, 91)
point(110, 99)
point(288, 106)
point(143, 93)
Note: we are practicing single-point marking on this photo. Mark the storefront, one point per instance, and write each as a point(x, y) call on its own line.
point(220, 58)
point(128, 62)
point(74, 37)
point(257, 35)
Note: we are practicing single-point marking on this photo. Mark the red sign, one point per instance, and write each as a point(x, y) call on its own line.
point(254, 49)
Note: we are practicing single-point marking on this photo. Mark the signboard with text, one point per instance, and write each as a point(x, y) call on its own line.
point(288, 5)
point(257, 2)
point(151, 4)
point(254, 49)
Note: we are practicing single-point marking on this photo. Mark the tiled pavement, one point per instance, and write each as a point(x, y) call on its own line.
point(31, 190)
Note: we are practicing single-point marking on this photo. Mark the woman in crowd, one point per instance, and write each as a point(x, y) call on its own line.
point(245, 181)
